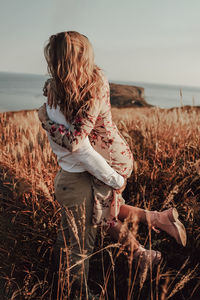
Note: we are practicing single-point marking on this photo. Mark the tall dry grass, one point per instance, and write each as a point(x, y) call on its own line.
point(165, 145)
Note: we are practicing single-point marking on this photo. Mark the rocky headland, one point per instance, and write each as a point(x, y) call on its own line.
point(122, 95)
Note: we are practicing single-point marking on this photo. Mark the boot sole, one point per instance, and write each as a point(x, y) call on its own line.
point(180, 227)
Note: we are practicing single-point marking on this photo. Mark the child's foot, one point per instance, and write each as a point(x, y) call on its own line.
point(147, 257)
point(168, 221)
point(146, 260)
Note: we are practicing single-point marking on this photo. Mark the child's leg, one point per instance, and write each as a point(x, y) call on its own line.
point(166, 220)
point(144, 257)
point(123, 236)
point(132, 212)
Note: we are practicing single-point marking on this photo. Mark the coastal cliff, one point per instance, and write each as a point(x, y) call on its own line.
point(122, 95)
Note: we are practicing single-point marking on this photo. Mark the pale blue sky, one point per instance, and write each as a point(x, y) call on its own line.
point(154, 41)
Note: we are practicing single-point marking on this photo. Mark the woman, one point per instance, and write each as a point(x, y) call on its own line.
point(80, 92)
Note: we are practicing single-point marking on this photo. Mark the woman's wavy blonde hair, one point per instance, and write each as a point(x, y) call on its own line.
point(76, 80)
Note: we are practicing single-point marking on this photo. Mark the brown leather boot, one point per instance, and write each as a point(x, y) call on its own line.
point(168, 221)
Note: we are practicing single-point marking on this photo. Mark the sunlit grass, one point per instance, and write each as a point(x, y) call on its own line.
point(165, 145)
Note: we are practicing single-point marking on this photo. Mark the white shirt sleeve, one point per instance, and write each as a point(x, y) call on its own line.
point(96, 165)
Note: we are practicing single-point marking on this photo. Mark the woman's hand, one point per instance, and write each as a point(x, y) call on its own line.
point(119, 191)
point(42, 113)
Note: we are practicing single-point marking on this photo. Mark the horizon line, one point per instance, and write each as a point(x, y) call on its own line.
point(128, 82)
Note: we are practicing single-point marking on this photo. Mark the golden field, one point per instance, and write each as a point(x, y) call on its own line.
point(166, 149)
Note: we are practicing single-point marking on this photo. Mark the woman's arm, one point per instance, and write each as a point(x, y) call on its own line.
point(96, 165)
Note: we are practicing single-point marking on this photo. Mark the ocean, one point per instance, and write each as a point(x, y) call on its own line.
point(20, 91)
point(24, 91)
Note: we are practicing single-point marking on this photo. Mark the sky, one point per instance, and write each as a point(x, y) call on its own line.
point(156, 41)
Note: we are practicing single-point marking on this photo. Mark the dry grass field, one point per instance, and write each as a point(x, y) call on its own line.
point(166, 149)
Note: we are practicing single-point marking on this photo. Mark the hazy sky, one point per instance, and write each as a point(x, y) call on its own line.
point(145, 40)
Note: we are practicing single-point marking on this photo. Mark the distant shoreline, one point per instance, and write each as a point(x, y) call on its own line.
point(124, 82)
point(20, 91)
